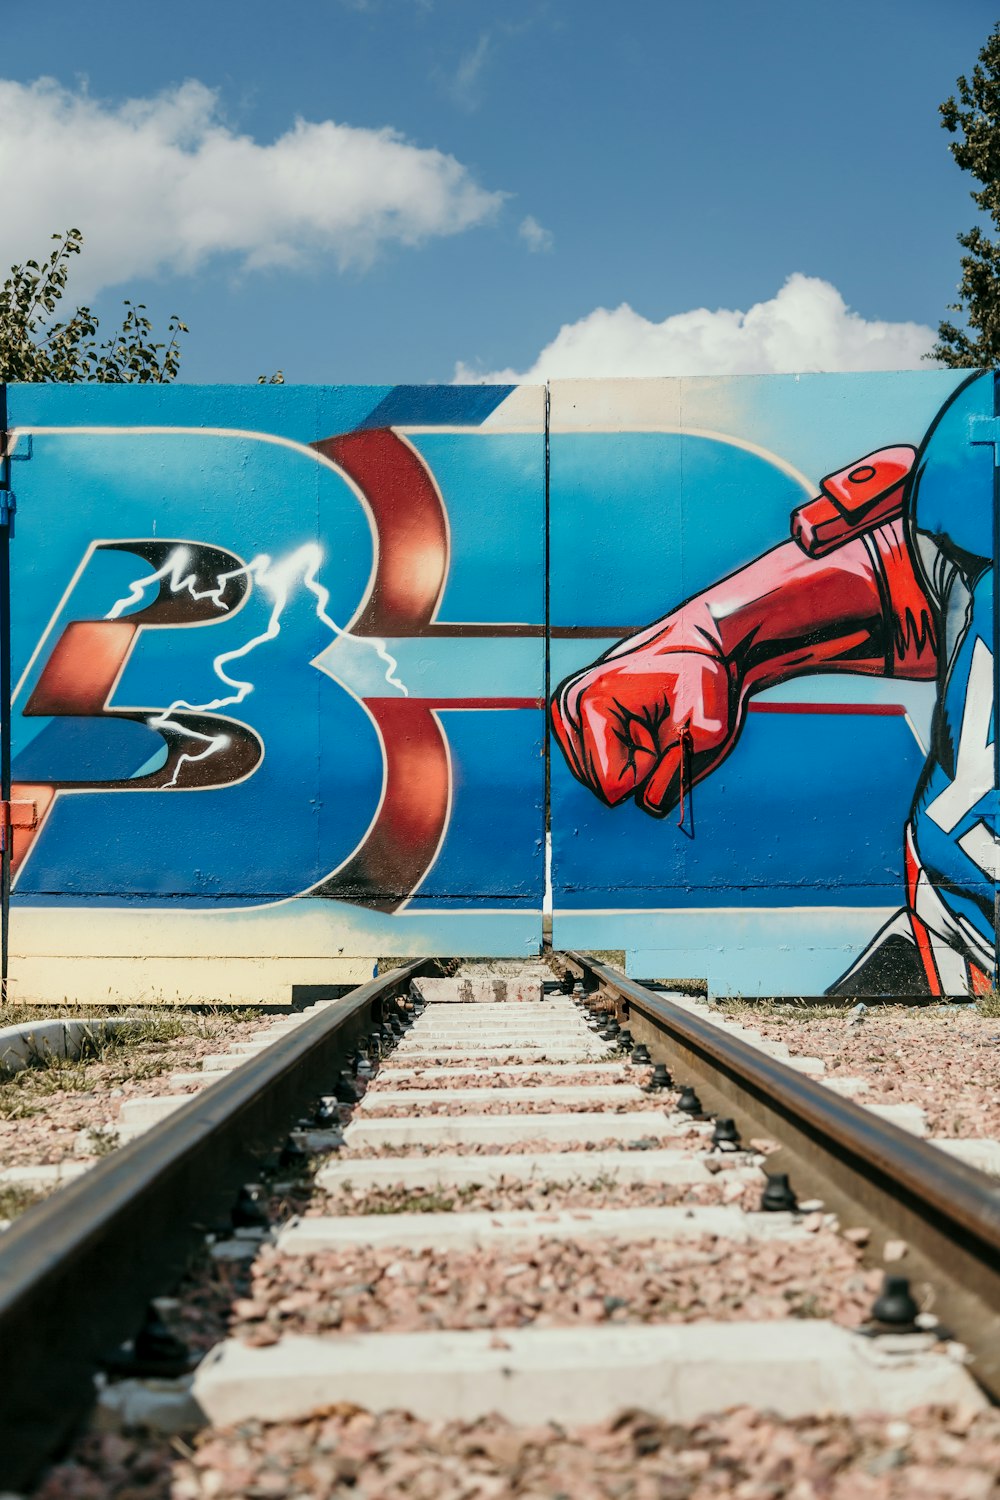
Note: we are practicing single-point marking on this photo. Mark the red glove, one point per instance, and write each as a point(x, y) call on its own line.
point(620, 723)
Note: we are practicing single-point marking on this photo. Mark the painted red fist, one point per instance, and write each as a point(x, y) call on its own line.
point(662, 708)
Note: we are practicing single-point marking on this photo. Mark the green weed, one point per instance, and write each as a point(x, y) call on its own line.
point(399, 1201)
point(102, 1142)
point(143, 1047)
point(779, 1010)
point(15, 1197)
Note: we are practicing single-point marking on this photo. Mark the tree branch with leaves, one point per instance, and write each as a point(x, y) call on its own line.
point(974, 117)
point(36, 346)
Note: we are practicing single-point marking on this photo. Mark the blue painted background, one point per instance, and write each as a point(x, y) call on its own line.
point(654, 490)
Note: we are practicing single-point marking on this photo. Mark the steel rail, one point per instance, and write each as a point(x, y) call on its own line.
point(78, 1269)
point(867, 1170)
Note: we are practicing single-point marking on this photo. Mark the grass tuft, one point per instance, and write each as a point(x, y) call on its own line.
point(143, 1047)
point(779, 1010)
point(15, 1197)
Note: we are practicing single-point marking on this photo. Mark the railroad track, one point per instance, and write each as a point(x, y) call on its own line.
point(522, 1213)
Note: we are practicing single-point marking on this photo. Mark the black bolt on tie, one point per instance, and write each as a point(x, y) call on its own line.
point(778, 1196)
point(293, 1158)
point(154, 1352)
point(626, 1040)
point(640, 1056)
point(156, 1344)
point(689, 1103)
point(725, 1135)
point(327, 1113)
point(249, 1211)
point(661, 1079)
point(345, 1090)
point(364, 1067)
point(895, 1307)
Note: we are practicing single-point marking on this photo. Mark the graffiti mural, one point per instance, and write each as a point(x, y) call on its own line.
point(280, 671)
point(282, 658)
point(814, 716)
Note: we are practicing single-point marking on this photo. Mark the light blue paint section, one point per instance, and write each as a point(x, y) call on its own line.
point(441, 668)
point(778, 952)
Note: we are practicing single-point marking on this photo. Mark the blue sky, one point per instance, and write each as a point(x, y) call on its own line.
point(668, 156)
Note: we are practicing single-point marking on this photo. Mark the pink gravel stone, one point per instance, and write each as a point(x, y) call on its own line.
point(739, 1455)
point(945, 1060)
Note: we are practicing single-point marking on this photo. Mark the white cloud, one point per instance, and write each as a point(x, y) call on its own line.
point(534, 235)
point(807, 326)
point(165, 184)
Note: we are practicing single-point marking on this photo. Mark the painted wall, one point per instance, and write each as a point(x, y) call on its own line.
point(832, 700)
point(281, 661)
point(280, 668)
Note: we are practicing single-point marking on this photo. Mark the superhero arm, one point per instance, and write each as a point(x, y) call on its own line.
point(857, 606)
point(861, 609)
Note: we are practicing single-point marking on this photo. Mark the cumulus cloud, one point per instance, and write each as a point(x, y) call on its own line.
point(164, 184)
point(807, 326)
point(534, 235)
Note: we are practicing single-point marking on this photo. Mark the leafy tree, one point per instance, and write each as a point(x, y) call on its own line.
point(974, 116)
point(33, 346)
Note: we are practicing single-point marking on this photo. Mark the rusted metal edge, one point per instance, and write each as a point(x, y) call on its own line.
point(869, 1170)
point(77, 1270)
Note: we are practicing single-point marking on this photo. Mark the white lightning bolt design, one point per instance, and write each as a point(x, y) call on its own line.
point(276, 577)
point(181, 581)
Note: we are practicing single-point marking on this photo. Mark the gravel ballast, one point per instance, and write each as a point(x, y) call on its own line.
point(653, 1103)
point(692, 1140)
point(499, 1079)
point(741, 1455)
point(558, 1283)
point(944, 1059)
point(603, 1193)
